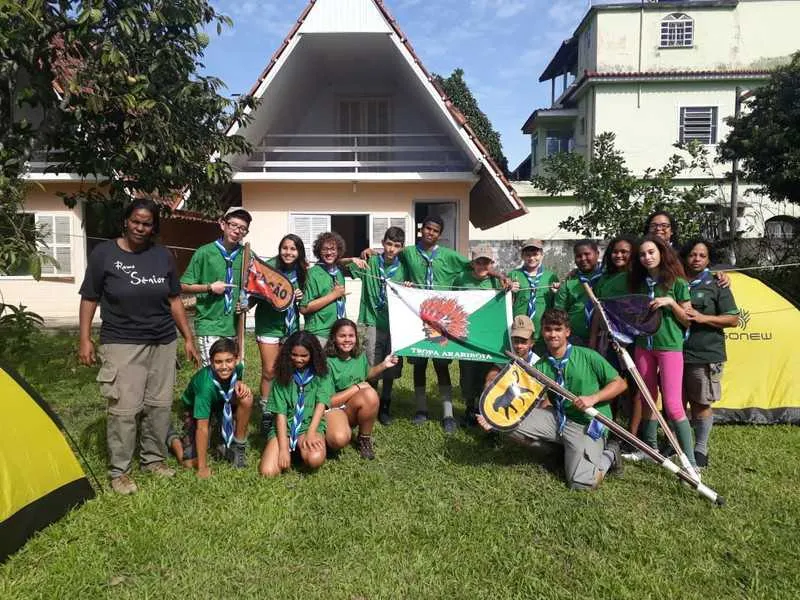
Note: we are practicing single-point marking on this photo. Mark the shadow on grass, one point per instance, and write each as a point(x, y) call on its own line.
point(486, 449)
point(93, 437)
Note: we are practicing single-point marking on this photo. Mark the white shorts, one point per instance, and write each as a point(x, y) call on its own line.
point(266, 339)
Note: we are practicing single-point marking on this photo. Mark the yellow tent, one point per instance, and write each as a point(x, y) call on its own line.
point(40, 478)
point(761, 382)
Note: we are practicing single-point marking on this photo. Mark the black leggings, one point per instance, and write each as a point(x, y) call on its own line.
point(440, 366)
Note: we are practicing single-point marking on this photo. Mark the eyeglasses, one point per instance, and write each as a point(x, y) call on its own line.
point(657, 226)
point(237, 228)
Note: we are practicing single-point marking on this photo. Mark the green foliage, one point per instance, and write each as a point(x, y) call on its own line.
point(115, 88)
point(18, 327)
point(765, 138)
point(457, 90)
point(21, 242)
point(615, 200)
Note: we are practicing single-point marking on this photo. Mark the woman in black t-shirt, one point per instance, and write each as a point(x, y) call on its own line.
point(136, 284)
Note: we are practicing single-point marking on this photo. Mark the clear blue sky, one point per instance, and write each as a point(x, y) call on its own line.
point(502, 45)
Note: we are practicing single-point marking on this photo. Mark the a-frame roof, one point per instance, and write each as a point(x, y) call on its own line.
point(492, 199)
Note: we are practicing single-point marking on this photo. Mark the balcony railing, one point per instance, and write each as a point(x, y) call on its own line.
point(41, 159)
point(362, 153)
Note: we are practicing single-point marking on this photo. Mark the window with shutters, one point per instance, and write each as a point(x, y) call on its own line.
point(698, 123)
point(380, 223)
point(56, 241)
point(307, 227)
point(677, 31)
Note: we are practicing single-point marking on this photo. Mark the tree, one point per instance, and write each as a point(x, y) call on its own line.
point(114, 90)
point(615, 200)
point(457, 90)
point(765, 138)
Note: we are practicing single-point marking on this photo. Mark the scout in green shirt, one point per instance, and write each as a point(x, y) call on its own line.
point(214, 275)
point(219, 389)
point(299, 396)
point(324, 296)
point(355, 402)
point(588, 457)
point(572, 297)
point(612, 283)
point(374, 310)
point(533, 293)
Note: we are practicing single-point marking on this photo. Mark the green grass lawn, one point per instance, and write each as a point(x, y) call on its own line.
point(431, 517)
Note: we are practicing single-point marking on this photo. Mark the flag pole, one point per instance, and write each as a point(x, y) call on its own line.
point(625, 357)
point(622, 433)
point(242, 298)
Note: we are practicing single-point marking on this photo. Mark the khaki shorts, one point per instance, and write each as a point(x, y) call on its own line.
point(702, 383)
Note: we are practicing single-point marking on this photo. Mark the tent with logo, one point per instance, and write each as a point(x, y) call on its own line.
point(761, 381)
point(40, 477)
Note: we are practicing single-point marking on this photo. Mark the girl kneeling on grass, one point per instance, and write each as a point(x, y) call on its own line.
point(300, 394)
point(356, 401)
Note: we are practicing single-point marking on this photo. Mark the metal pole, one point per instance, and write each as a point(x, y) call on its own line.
point(737, 110)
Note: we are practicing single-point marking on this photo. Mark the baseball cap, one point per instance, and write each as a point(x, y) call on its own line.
point(522, 326)
point(483, 251)
point(532, 243)
point(239, 212)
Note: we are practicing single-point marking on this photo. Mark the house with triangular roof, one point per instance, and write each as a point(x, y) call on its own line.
point(351, 134)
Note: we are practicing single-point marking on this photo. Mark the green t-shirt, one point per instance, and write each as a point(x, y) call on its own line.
point(202, 396)
point(348, 371)
point(706, 344)
point(319, 283)
point(572, 298)
point(544, 296)
point(208, 266)
point(586, 373)
point(270, 322)
point(670, 335)
point(611, 286)
point(283, 399)
point(467, 280)
point(446, 265)
point(370, 313)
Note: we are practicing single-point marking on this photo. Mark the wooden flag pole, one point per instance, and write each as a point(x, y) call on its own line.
point(242, 315)
point(625, 357)
point(623, 433)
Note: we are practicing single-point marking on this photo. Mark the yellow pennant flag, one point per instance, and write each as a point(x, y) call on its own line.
point(510, 397)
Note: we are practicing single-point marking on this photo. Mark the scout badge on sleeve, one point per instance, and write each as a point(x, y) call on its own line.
point(267, 283)
point(510, 397)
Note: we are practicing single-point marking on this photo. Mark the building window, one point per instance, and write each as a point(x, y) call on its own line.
point(677, 31)
point(359, 231)
point(698, 123)
point(56, 237)
point(307, 228)
point(380, 223)
point(782, 227)
point(557, 142)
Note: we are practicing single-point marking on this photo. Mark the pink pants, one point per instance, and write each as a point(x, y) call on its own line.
point(664, 367)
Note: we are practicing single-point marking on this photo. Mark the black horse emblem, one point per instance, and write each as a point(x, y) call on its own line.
point(506, 399)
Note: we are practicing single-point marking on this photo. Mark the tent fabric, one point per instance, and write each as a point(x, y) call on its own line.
point(761, 381)
point(40, 477)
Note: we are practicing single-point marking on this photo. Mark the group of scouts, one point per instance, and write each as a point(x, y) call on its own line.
point(320, 382)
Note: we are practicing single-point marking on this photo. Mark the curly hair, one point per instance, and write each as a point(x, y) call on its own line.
point(330, 347)
point(300, 265)
point(324, 238)
point(608, 264)
point(689, 246)
point(669, 267)
point(555, 317)
point(673, 226)
point(284, 369)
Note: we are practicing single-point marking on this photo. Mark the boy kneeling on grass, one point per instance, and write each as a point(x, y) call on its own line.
point(217, 389)
point(587, 456)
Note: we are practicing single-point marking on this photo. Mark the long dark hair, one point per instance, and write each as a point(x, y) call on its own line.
point(147, 204)
point(284, 369)
point(608, 265)
point(669, 267)
point(300, 265)
point(330, 347)
point(673, 226)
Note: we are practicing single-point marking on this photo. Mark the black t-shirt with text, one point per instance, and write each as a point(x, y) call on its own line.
point(133, 289)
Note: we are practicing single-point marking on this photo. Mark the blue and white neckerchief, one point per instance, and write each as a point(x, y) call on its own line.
point(703, 277)
point(560, 366)
point(301, 379)
point(290, 317)
point(227, 406)
point(229, 258)
point(651, 293)
point(334, 272)
point(429, 264)
point(592, 279)
point(385, 274)
point(533, 283)
point(531, 358)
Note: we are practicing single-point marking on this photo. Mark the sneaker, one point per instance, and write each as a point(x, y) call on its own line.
point(236, 455)
point(420, 418)
point(385, 418)
point(701, 460)
point(626, 447)
point(449, 425)
point(365, 447)
point(266, 423)
point(616, 467)
point(159, 468)
point(124, 485)
point(637, 456)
